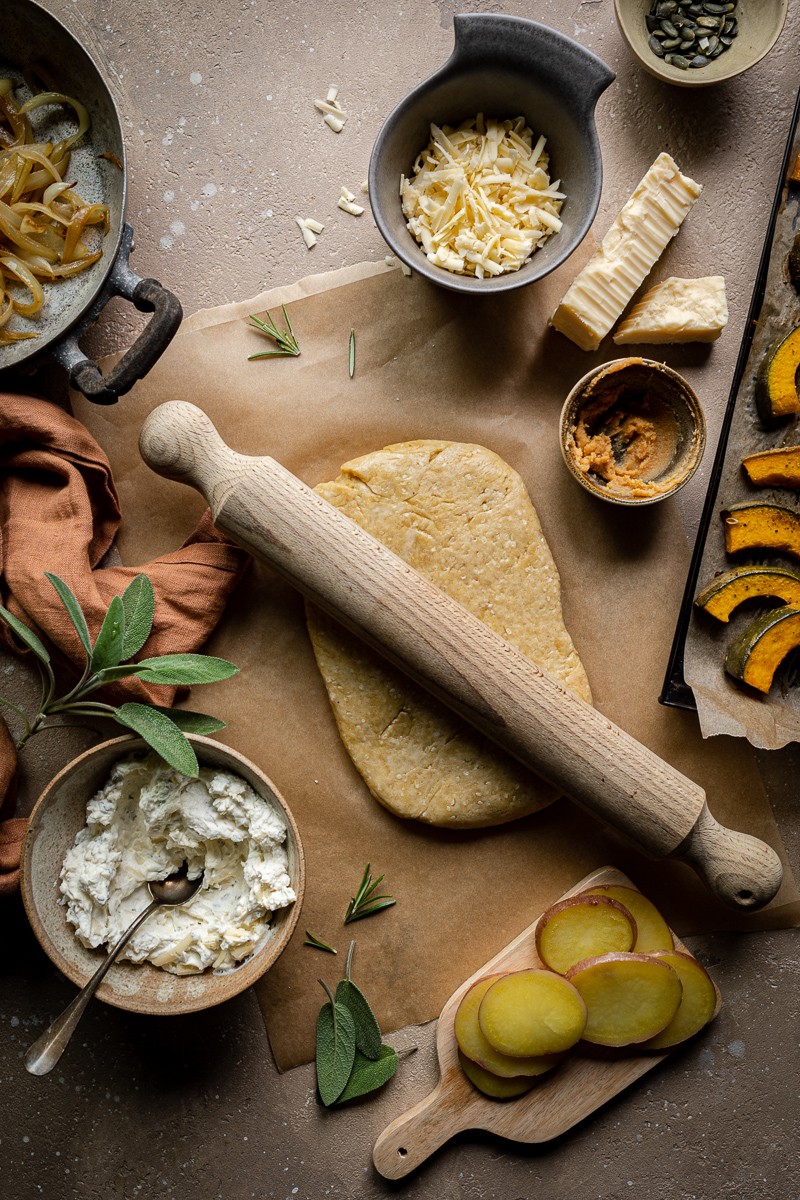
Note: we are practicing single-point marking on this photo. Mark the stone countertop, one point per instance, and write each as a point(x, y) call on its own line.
point(224, 149)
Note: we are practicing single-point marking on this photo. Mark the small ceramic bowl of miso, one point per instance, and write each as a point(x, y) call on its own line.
point(632, 432)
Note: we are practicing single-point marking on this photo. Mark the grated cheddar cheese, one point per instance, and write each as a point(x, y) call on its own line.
point(480, 199)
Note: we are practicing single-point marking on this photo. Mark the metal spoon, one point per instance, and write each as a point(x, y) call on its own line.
point(47, 1050)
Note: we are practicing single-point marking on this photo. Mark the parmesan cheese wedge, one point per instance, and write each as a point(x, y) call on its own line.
point(677, 310)
point(647, 223)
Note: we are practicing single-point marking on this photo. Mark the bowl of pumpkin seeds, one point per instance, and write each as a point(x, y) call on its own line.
point(694, 43)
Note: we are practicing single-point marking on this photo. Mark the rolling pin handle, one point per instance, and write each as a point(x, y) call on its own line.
point(742, 870)
point(180, 442)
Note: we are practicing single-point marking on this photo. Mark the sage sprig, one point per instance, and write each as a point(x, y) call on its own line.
point(124, 631)
point(365, 902)
point(284, 339)
point(348, 1035)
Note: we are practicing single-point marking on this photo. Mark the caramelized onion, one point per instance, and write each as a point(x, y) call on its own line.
point(42, 218)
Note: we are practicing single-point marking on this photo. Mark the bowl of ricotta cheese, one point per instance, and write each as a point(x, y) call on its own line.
point(118, 816)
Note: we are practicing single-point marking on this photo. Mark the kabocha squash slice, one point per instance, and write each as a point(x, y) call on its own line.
point(756, 654)
point(774, 468)
point(776, 385)
point(730, 589)
point(754, 525)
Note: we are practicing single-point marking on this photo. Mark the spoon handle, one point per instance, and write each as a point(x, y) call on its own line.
point(47, 1050)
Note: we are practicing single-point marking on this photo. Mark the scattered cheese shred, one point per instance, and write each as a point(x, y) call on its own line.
point(334, 115)
point(308, 227)
point(480, 200)
point(365, 187)
point(391, 261)
point(345, 202)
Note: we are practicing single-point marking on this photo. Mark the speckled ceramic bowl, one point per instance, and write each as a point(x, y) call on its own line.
point(681, 416)
point(503, 67)
point(760, 24)
point(139, 987)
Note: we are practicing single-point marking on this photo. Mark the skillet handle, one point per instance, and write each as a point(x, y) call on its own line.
point(148, 295)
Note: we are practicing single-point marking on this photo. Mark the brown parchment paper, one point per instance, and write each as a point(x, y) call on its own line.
point(428, 365)
point(771, 721)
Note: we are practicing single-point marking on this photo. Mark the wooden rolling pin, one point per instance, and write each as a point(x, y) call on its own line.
point(455, 656)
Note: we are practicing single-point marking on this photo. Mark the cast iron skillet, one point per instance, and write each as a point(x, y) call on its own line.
point(29, 36)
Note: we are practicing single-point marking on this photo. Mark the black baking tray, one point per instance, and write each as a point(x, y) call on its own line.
point(676, 692)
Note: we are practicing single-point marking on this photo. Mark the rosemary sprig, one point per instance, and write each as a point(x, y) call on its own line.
point(351, 356)
point(365, 902)
point(317, 943)
point(284, 339)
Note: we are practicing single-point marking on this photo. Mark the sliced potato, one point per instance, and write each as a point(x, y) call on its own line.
point(629, 997)
point(473, 1044)
point(493, 1085)
point(698, 1001)
point(652, 931)
point(533, 1012)
point(582, 927)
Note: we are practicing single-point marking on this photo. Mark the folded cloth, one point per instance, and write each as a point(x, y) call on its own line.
point(59, 512)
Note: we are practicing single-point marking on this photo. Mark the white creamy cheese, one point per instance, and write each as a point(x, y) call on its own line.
point(142, 825)
point(646, 224)
point(677, 310)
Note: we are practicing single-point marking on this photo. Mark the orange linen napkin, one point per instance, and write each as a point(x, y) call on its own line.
point(59, 512)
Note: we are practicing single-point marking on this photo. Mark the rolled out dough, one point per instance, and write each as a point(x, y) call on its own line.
point(462, 517)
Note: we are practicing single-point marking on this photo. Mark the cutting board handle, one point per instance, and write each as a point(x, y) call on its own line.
point(414, 1135)
point(449, 651)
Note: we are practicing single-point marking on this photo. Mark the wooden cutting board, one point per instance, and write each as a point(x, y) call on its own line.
point(576, 1088)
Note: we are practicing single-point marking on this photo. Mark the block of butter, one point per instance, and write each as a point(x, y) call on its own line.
point(677, 310)
point(648, 221)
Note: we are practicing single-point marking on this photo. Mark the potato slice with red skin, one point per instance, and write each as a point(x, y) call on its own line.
point(493, 1085)
point(473, 1044)
point(583, 927)
point(698, 1001)
point(629, 997)
point(652, 931)
point(530, 1013)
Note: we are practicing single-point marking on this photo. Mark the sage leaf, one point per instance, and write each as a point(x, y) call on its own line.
point(139, 603)
point(368, 1034)
point(190, 722)
point(336, 1049)
point(369, 1074)
point(70, 602)
point(25, 635)
point(162, 734)
point(110, 640)
point(184, 669)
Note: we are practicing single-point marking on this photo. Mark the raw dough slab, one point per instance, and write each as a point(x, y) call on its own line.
point(462, 517)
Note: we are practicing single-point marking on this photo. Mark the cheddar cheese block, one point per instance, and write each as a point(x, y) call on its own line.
point(461, 517)
point(648, 221)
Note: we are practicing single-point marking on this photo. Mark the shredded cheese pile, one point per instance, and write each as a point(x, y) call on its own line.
point(480, 200)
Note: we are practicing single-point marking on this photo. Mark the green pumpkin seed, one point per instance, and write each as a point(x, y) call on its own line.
point(714, 10)
point(696, 10)
point(671, 43)
point(685, 46)
point(706, 22)
point(716, 53)
point(656, 46)
point(688, 35)
point(699, 60)
point(669, 29)
point(677, 60)
point(726, 39)
point(666, 8)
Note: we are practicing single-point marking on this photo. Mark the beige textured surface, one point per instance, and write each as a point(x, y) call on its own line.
point(460, 516)
point(219, 165)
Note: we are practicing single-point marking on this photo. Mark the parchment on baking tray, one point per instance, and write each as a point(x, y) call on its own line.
point(723, 707)
point(429, 364)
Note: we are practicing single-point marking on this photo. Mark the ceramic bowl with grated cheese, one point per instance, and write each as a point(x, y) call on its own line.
point(118, 816)
point(487, 176)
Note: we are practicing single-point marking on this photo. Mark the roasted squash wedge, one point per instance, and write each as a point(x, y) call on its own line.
point(774, 468)
point(756, 654)
point(776, 385)
point(754, 525)
point(793, 258)
point(730, 589)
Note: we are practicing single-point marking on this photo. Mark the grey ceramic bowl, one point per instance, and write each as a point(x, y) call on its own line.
point(503, 67)
point(760, 23)
point(139, 987)
point(679, 423)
